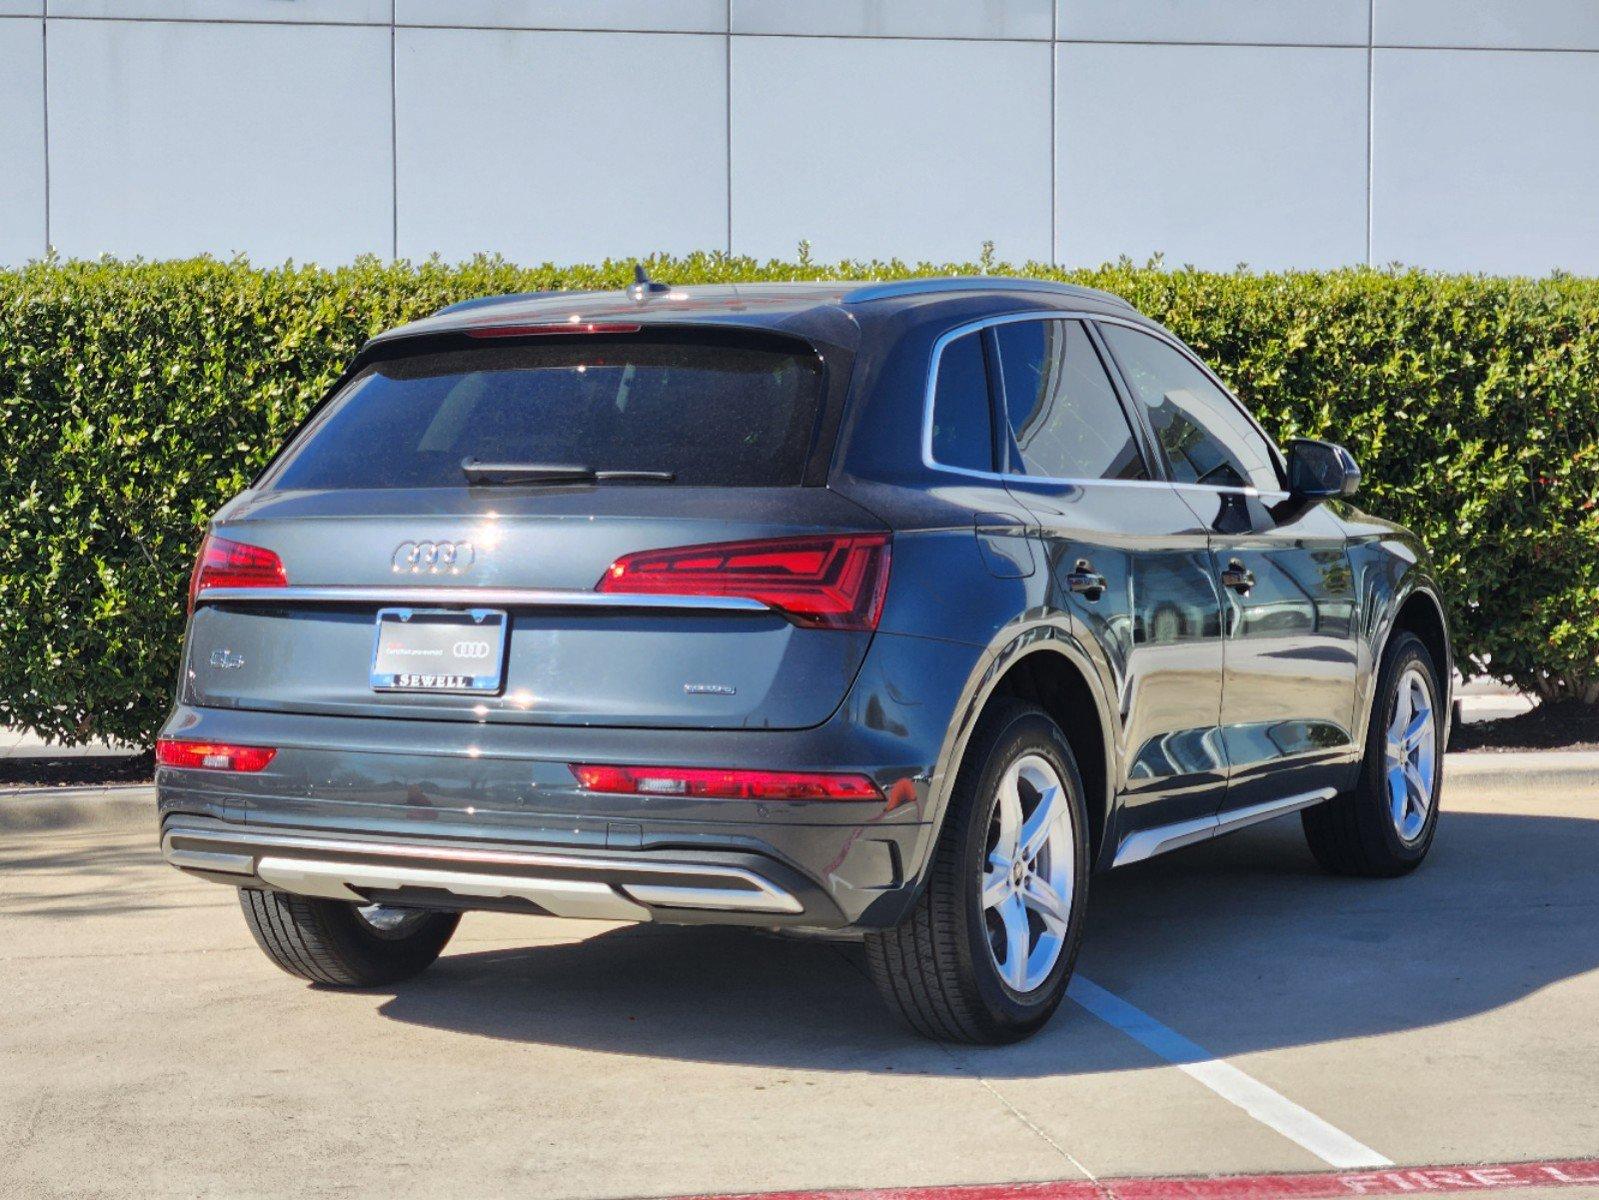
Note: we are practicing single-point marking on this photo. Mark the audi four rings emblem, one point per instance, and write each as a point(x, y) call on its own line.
point(432, 558)
point(470, 649)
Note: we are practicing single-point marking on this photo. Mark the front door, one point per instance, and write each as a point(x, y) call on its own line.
point(1288, 687)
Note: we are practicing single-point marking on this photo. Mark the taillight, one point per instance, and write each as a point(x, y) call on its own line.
point(225, 564)
point(715, 783)
point(833, 582)
point(212, 756)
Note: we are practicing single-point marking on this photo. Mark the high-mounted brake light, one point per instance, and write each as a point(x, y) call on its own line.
point(212, 756)
point(546, 330)
point(832, 582)
point(225, 564)
point(717, 784)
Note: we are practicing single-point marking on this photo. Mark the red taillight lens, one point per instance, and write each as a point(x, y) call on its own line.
point(834, 582)
point(225, 564)
point(212, 756)
point(717, 784)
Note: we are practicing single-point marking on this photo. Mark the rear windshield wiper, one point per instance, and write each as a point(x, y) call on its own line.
point(526, 473)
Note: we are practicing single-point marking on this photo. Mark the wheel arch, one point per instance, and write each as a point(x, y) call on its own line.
point(1415, 608)
point(1422, 613)
point(1045, 667)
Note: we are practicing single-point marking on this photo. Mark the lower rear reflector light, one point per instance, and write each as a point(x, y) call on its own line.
point(212, 756)
point(717, 784)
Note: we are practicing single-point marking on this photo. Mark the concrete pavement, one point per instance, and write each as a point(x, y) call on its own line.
point(149, 1049)
point(20, 744)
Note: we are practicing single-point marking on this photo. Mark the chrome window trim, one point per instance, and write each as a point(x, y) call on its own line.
point(977, 326)
point(480, 597)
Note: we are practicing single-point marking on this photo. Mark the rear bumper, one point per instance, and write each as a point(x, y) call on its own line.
point(729, 886)
point(470, 798)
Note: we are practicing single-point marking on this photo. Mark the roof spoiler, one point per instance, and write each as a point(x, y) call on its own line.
point(642, 288)
point(512, 298)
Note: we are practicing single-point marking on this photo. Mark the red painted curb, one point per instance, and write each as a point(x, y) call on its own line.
point(1394, 1181)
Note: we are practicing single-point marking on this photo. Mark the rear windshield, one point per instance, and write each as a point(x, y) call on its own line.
point(729, 413)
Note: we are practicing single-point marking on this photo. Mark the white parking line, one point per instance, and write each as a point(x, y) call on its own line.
point(1272, 1109)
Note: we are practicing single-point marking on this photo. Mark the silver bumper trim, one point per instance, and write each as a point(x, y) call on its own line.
point(341, 869)
point(208, 860)
point(339, 881)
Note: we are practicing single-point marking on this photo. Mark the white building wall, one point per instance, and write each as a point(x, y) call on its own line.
point(22, 191)
point(1457, 134)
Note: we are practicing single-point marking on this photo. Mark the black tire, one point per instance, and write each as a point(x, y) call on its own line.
point(1355, 833)
point(935, 968)
point(327, 941)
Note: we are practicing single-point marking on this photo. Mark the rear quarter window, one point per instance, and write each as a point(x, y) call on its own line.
point(723, 412)
point(963, 431)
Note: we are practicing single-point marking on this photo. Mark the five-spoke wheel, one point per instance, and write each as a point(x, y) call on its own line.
point(1384, 824)
point(986, 952)
point(1031, 871)
point(1410, 756)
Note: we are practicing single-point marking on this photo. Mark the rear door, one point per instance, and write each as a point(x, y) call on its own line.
point(1288, 694)
point(1127, 559)
point(591, 601)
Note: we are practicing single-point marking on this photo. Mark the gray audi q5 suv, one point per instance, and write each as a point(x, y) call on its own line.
point(889, 609)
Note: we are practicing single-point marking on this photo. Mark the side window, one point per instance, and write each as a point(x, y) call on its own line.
point(963, 429)
point(1205, 436)
point(1063, 411)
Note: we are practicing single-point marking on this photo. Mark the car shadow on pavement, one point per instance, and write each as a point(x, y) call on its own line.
point(1242, 945)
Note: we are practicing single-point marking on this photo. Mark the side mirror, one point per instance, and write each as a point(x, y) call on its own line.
point(1320, 471)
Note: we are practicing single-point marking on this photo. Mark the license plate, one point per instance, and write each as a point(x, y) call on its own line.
point(437, 650)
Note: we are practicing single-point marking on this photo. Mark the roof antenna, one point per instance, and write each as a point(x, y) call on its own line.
point(643, 287)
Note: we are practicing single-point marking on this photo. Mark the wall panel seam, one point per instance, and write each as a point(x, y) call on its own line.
point(275, 21)
point(394, 132)
point(395, 23)
point(1283, 45)
point(44, 109)
point(727, 118)
point(1054, 132)
point(1371, 116)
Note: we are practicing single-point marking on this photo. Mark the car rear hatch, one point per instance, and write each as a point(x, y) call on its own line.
point(443, 540)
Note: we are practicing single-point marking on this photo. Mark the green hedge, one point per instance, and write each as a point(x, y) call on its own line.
point(137, 397)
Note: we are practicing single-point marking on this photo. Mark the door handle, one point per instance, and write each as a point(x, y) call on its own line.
point(1238, 577)
point(1085, 581)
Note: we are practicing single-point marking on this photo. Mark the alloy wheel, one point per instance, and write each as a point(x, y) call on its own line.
point(1410, 756)
point(1029, 873)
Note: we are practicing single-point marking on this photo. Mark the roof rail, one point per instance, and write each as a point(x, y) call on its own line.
point(486, 301)
point(975, 283)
